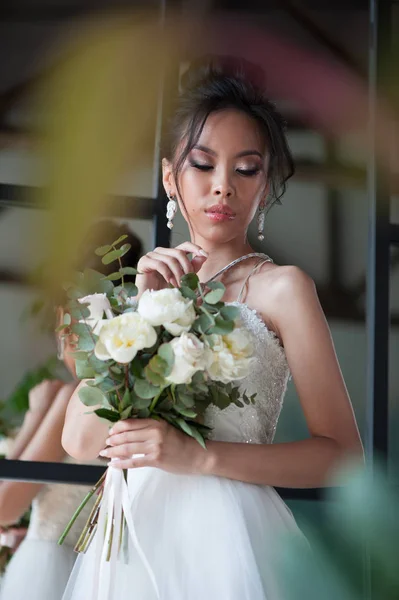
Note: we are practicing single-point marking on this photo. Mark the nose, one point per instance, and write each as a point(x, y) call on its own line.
point(222, 186)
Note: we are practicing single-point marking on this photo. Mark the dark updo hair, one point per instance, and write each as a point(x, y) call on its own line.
point(214, 84)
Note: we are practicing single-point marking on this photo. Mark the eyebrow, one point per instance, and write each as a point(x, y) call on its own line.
point(239, 155)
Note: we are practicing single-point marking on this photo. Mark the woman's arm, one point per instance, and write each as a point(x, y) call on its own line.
point(299, 320)
point(40, 399)
point(45, 445)
point(84, 434)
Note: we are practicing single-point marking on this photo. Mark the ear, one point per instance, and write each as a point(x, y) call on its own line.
point(168, 179)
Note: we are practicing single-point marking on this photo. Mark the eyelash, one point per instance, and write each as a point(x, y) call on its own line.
point(243, 172)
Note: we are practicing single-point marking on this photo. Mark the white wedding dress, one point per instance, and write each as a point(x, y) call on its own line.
point(204, 537)
point(39, 569)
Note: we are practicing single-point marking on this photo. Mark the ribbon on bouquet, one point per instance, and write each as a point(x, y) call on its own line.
point(115, 506)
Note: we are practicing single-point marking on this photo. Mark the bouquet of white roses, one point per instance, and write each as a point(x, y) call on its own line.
point(169, 355)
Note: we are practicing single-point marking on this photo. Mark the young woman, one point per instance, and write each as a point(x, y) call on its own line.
point(207, 521)
point(40, 568)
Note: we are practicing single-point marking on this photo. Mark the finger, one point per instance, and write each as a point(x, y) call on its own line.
point(192, 248)
point(173, 264)
point(179, 255)
point(127, 437)
point(131, 425)
point(197, 262)
point(148, 265)
point(125, 450)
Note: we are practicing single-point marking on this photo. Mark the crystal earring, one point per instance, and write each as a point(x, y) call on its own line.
point(171, 209)
point(261, 222)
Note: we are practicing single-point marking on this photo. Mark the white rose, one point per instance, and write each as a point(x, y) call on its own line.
point(168, 308)
point(98, 304)
point(191, 355)
point(232, 356)
point(123, 336)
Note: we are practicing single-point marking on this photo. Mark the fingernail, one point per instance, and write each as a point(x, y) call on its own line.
point(203, 253)
point(108, 441)
point(111, 431)
point(103, 453)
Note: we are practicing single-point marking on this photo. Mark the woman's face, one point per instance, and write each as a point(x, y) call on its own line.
point(223, 180)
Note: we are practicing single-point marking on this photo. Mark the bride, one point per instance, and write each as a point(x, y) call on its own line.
point(207, 521)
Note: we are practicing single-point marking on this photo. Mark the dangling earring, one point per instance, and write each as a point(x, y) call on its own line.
point(61, 347)
point(261, 222)
point(171, 209)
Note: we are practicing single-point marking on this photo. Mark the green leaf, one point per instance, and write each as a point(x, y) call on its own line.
point(153, 377)
point(186, 399)
point(90, 396)
point(165, 351)
point(222, 327)
point(80, 355)
point(214, 296)
point(186, 412)
point(230, 313)
point(61, 328)
point(125, 414)
point(131, 289)
point(144, 389)
point(158, 365)
point(113, 276)
point(115, 254)
point(186, 292)
point(120, 239)
point(204, 323)
point(141, 403)
point(102, 250)
point(109, 415)
point(137, 368)
point(191, 431)
point(215, 285)
point(83, 370)
point(126, 400)
point(190, 280)
point(128, 271)
point(115, 369)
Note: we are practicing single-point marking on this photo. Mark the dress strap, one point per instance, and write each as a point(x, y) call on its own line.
point(252, 272)
point(265, 258)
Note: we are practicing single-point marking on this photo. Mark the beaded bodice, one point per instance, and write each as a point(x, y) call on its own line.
point(254, 423)
point(268, 379)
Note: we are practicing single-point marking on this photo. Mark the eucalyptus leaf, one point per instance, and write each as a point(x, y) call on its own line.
point(165, 351)
point(187, 292)
point(158, 365)
point(204, 324)
point(144, 389)
point(113, 276)
point(120, 239)
point(190, 280)
point(61, 328)
point(230, 313)
point(130, 288)
point(114, 255)
point(90, 396)
point(141, 403)
point(215, 285)
point(128, 271)
point(109, 415)
point(126, 413)
point(102, 250)
point(186, 412)
point(153, 377)
point(222, 327)
point(214, 296)
point(126, 400)
point(67, 319)
point(83, 370)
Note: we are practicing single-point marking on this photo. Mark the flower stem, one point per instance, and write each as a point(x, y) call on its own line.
point(80, 508)
point(91, 523)
point(155, 400)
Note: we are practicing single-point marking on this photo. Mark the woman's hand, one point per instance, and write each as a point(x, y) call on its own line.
point(42, 395)
point(165, 266)
point(154, 444)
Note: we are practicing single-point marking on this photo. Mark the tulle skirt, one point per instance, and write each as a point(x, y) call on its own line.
point(202, 538)
point(39, 570)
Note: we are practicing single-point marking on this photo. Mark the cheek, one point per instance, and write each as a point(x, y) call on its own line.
point(194, 187)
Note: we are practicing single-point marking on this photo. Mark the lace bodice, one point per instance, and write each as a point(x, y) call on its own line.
point(52, 509)
point(268, 379)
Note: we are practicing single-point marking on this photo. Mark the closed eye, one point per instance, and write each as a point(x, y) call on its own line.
point(248, 172)
point(201, 167)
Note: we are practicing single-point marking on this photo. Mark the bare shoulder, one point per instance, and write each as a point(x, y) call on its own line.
point(280, 292)
point(284, 283)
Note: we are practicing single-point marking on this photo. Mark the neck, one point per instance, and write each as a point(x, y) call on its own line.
point(220, 255)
